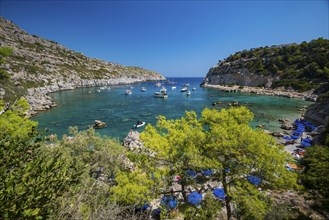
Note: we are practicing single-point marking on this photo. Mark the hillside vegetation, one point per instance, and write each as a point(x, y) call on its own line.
point(32, 62)
point(300, 67)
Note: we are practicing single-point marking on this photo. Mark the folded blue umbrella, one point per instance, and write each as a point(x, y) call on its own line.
point(194, 198)
point(254, 180)
point(219, 193)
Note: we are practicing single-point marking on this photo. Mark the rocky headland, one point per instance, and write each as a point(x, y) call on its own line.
point(37, 67)
point(292, 70)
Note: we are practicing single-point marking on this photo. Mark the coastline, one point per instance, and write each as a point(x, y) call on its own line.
point(308, 96)
point(39, 100)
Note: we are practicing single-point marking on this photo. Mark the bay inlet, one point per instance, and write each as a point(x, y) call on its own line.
point(82, 106)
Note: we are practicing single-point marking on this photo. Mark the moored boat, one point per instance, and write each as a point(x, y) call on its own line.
point(184, 89)
point(143, 89)
point(139, 124)
point(128, 92)
point(158, 84)
point(160, 95)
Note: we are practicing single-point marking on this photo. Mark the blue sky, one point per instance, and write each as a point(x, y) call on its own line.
point(174, 38)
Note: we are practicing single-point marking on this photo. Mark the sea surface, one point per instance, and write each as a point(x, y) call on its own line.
point(82, 106)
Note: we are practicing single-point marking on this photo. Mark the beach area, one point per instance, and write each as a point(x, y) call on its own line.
point(281, 92)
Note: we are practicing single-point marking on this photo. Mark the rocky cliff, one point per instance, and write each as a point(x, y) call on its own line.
point(318, 112)
point(300, 67)
point(237, 73)
point(291, 70)
point(38, 66)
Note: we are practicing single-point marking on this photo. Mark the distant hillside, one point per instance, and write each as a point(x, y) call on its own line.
point(36, 62)
point(300, 67)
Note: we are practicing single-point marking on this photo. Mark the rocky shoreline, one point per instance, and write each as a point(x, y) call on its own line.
point(39, 100)
point(309, 96)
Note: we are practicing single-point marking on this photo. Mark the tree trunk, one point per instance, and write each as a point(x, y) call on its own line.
point(5, 109)
point(183, 191)
point(227, 197)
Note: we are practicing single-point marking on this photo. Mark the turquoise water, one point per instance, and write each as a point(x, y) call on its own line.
point(82, 106)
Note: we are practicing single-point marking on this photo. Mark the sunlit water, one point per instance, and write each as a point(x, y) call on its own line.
point(82, 106)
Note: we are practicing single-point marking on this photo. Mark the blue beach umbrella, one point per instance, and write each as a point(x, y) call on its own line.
point(169, 202)
point(296, 133)
point(207, 172)
point(307, 140)
point(194, 198)
point(254, 180)
point(190, 173)
point(294, 136)
point(142, 208)
point(287, 138)
point(305, 144)
point(219, 193)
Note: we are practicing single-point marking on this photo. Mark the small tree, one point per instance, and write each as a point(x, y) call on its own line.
point(4, 52)
point(241, 152)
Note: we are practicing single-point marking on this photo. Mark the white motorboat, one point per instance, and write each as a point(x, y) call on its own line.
point(158, 84)
point(184, 89)
point(193, 89)
point(188, 93)
point(143, 89)
point(128, 92)
point(160, 95)
point(139, 124)
point(186, 85)
point(173, 87)
point(168, 82)
point(163, 89)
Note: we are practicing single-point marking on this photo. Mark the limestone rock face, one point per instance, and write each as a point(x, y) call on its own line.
point(318, 112)
point(229, 73)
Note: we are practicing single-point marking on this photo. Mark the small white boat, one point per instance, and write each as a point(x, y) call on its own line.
point(158, 84)
point(188, 93)
point(128, 92)
point(98, 90)
point(143, 89)
point(173, 87)
point(193, 89)
point(184, 89)
point(160, 95)
point(186, 85)
point(168, 82)
point(139, 124)
point(163, 89)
